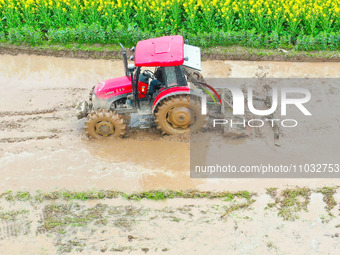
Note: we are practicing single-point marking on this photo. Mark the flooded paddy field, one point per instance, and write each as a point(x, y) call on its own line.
point(42, 144)
point(43, 147)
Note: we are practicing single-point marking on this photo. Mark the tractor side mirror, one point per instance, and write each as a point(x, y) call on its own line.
point(131, 68)
point(133, 49)
point(132, 57)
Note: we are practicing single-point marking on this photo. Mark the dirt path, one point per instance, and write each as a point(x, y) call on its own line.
point(42, 145)
point(100, 51)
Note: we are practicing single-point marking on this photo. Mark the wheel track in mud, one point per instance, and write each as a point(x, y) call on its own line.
point(23, 122)
point(51, 121)
point(36, 112)
point(16, 140)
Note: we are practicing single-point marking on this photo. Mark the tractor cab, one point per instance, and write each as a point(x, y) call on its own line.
point(168, 55)
point(163, 78)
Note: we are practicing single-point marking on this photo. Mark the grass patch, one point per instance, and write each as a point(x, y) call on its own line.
point(169, 194)
point(328, 196)
point(271, 192)
point(58, 217)
point(236, 207)
point(12, 215)
point(19, 196)
point(290, 201)
point(73, 195)
point(109, 194)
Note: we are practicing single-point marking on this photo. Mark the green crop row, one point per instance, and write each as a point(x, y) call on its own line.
point(96, 34)
point(302, 24)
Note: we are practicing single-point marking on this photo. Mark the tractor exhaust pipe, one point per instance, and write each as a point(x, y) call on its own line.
point(124, 59)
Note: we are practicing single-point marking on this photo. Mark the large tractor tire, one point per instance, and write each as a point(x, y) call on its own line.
point(178, 115)
point(105, 124)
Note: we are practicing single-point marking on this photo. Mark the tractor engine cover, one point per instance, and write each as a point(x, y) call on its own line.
point(113, 87)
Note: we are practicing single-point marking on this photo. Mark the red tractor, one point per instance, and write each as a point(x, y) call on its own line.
point(164, 92)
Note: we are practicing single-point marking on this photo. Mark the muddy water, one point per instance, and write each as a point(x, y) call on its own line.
point(42, 145)
point(154, 154)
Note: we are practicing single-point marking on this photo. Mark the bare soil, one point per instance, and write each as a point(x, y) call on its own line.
point(216, 53)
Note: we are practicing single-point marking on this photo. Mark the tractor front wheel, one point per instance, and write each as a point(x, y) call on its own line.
point(105, 124)
point(179, 114)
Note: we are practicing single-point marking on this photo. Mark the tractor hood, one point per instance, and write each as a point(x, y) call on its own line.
point(113, 87)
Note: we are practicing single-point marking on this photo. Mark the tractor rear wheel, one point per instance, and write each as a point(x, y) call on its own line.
point(105, 124)
point(179, 114)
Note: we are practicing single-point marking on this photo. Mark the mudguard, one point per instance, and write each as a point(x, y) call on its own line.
point(171, 92)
